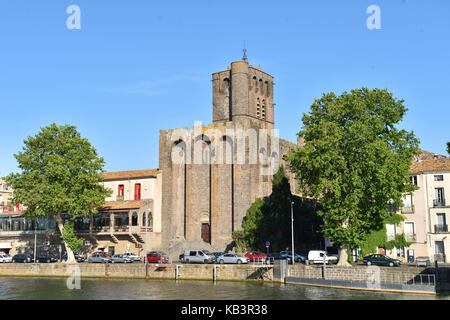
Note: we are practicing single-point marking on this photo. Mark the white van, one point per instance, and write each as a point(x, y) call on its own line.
point(316, 256)
point(198, 256)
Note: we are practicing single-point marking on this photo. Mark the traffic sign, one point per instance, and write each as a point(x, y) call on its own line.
point(267, 244)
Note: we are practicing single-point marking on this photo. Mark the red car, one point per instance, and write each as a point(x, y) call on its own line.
point(157, 257)
point(256, 256)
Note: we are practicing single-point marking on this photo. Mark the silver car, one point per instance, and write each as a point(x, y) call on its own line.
point(132, 256)
point(120, 258)
point(5, 258)
point(232, 258)
point(99, 258)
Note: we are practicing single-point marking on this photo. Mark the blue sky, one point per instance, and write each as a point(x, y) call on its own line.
point(136, 67)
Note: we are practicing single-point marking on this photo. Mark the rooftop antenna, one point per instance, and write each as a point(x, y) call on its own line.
point(244, 58)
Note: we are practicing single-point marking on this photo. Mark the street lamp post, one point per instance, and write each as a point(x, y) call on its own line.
point(35, 239)
point(292, 230)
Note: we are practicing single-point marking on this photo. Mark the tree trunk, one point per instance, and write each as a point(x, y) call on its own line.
point(343, 258)
point(70, 255)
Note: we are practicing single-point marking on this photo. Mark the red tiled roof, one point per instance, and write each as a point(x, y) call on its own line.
point(119, 205)
point(11, 213)
point(432, 165)
point(133, 174)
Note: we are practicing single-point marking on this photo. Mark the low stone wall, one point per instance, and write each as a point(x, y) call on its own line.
point(138, 270)
point(359, 273)
point(394, 279)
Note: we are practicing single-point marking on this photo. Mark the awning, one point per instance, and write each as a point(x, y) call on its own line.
point(5, 245)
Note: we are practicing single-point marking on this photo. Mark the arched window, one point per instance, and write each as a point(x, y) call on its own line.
point(258, 106)
point(134, 219)
point(261, 87)
point(263, 109)
point(144, 219)
point(150, 220)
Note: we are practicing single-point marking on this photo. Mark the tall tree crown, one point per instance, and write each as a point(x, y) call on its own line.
point(61, 172)
point(355, 160)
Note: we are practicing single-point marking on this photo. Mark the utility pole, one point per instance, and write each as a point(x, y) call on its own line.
point(292, 230)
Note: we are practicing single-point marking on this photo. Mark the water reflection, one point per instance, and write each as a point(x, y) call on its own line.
point(102, 289)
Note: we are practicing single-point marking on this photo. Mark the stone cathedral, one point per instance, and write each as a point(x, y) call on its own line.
point(212, 174)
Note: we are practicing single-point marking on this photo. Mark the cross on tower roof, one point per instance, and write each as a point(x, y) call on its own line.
point(244, 58)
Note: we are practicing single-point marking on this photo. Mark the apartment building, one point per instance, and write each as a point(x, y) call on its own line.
point(6, 193)
point(129, 220)
point(432, 176)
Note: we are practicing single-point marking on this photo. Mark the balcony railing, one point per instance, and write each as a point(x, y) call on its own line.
point(390, 237)
point(119, 198)
point(440, 228)
point(440, 258)
point(408, 209)
point(410, 237)
point(439, 203)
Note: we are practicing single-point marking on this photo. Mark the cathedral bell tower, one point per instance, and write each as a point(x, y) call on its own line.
point(243, 92)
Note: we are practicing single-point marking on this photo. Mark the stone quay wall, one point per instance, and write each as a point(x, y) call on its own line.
point(360, 273)
point(250, 272)
point(138, 270)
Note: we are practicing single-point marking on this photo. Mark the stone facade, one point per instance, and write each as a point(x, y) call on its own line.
point(212, 174)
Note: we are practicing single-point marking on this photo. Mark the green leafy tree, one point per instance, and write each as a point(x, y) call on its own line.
point(61, 172)
point(448, 147)
point(354, 162)
point(69, 237)
point(378, 238)
point(270, 220)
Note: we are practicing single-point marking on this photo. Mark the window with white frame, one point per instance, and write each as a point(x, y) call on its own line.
point(409, 231)
point(391, 232)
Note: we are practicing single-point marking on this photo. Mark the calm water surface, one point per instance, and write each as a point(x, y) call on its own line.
point(103, 289)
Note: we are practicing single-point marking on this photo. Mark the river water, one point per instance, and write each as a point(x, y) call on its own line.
point(107, 289)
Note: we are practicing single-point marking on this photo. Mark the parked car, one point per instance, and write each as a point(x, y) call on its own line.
point(217, 254)
point(381, 260)
point(232, 258)
point(157, 257)
point(78, 257)
point(132, 256)
point(198, 256)
point(422, 261)
point(5, 258)
point(99, 258)
point(120, 258)
point(256, 256)
point(288, 255)
point(24, 258)
point(46, 258)
point(316, 256)
point(275, 256)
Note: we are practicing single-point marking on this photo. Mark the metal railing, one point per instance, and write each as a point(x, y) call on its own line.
point(440, 228)
point(440, 257)
point(352, 277)
point(410, 237)
point(261, 261)
point(439, 203)
point(408, 209)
